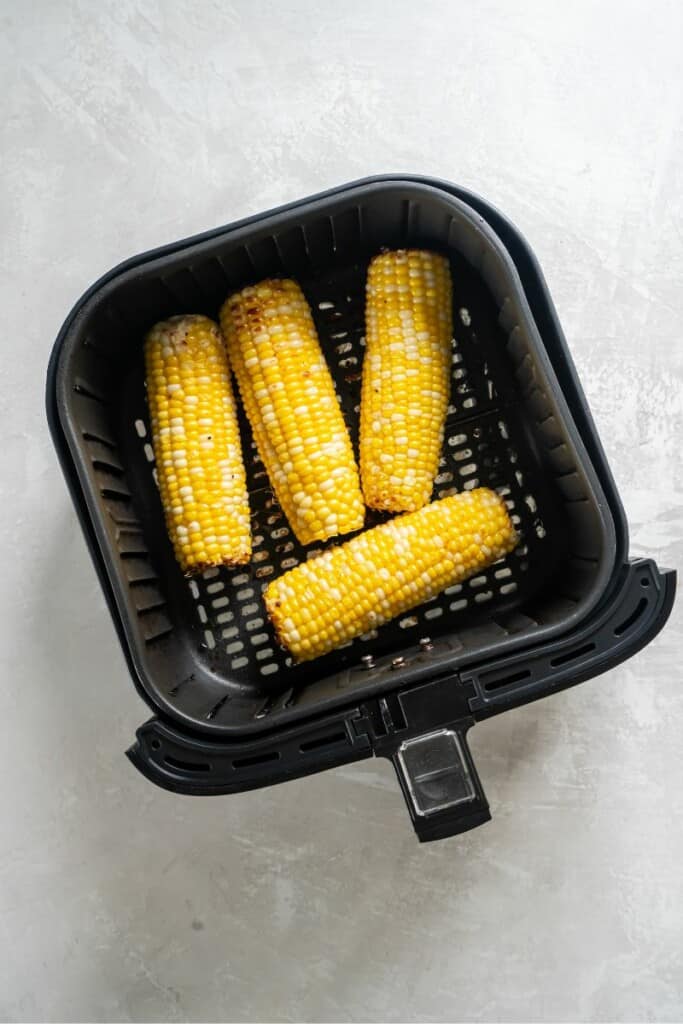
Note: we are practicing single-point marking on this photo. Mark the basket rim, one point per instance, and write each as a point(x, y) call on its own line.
point(65, 441)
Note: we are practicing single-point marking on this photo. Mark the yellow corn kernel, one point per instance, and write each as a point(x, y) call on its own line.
point(289, 397)
point(355, 587)
point(406, 377)
point(197, 444)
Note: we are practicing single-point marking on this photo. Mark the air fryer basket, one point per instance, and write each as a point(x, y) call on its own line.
point(202, 653)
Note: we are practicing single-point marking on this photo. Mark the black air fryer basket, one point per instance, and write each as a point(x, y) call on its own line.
point(230, 710)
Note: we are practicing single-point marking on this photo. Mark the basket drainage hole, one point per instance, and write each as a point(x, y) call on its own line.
point(644, 581)
point(155, 744)
point(141, 428)
point(433, 613)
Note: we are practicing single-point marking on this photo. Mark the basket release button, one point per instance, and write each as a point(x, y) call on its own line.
point(440, 783)
point(436, 772)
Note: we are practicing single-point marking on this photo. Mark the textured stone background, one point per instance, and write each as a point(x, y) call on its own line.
point(129, 124)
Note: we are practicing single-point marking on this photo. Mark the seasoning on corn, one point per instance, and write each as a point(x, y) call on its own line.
point(406, 377)
point(197, 444)
point(350, 589)
point(290, 400)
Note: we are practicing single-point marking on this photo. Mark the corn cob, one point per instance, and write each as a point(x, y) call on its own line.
point(197, 444)
point(290, 400)
point(406, 377)
point(350, 589)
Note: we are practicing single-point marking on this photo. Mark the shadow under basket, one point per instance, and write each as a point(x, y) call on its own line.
point(232, 712)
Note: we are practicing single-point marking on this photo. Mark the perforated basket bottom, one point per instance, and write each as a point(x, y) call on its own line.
point(486, 444)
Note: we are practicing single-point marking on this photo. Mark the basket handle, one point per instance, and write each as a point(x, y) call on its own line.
point(440, 782)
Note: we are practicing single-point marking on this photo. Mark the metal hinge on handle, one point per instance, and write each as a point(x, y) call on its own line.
point(429, 751)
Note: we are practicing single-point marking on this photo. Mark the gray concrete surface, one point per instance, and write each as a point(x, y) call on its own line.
point(128, 124)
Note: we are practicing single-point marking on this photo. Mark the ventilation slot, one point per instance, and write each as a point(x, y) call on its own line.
point(198, 767)
point(564, 659)
point(174, 691)
point(508, 680)
point(106, 442)
point(115, 494)
point(324, 741)
point(87, 391)
point(633, 617)
point(255, 759)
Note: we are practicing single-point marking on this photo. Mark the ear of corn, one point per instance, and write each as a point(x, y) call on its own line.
point(348, 590)
point(406, 377)
point(196, 443)
point(293, 410)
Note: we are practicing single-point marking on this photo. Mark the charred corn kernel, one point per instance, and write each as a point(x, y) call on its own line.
point(290, 400)
point(406, 377)
point(355, 587)
point(197, 444)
